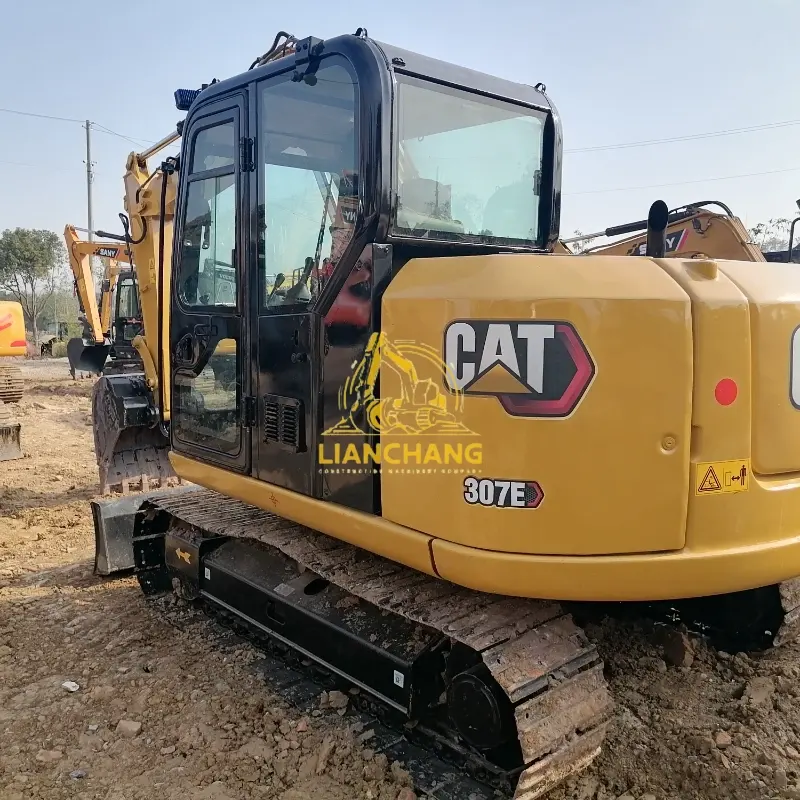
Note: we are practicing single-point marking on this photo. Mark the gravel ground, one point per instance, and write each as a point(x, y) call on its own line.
point(165, 708)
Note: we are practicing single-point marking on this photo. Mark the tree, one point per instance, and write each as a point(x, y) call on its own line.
point(583, 245)
point(772, 235)
point(31, 263)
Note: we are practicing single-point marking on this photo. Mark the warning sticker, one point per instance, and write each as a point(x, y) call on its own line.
point(722, 477)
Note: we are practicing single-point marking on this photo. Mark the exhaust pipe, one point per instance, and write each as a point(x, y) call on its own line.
point(657, 221)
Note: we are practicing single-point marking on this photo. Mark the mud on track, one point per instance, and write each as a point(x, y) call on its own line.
point(170, 708)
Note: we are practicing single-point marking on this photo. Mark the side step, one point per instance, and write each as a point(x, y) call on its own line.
point(509, 689)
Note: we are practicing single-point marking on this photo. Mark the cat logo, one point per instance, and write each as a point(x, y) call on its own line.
point(534, 368)
point(107, 252)
point(674, 242)
point(183, 555)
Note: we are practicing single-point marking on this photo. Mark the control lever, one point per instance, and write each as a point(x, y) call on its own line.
point(300, 290)
point(280, 279)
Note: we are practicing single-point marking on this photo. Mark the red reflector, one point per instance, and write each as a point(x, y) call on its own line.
point(726, 391)
point(19, 343)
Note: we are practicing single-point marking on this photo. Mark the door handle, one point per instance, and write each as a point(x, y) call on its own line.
point(186, 351)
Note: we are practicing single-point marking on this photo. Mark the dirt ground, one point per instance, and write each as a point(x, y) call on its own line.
point(162, 710)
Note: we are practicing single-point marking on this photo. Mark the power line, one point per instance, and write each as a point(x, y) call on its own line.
point(103, 129)
point(97, 125)
point(40, 116)
point(685, 183)
point(686, 138)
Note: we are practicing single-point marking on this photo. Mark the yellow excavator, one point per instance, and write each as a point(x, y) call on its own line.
point(551, 428)
point(12, 344)
point(693, 231)
point(89, 352)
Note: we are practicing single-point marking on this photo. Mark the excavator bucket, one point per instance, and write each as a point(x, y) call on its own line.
point(130, 446)
point(86, 357)
point(10, 446)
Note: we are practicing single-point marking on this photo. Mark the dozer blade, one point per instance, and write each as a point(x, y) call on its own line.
point(10, 446)
point(131, 449)
point(84, 356)
point(113, 531)
point(11, 383)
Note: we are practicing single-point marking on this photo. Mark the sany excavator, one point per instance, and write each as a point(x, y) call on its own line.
point(12, 343)
point(693, 231)
point(551, 428)
point(107, 323)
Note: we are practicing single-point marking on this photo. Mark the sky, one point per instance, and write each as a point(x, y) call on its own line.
point(619, 72)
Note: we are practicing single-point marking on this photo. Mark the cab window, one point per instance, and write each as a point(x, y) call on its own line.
point(208, 243)
point(308, 193)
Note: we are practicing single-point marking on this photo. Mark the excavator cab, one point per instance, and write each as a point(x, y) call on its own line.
point(305, 185)
point(126, 325)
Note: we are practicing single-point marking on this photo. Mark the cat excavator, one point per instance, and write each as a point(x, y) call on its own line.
point(550, 428)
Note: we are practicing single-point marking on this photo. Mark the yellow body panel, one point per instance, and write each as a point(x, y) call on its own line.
point(773, 295)
point(623, 515)
point(12, 329)
point(623, 451)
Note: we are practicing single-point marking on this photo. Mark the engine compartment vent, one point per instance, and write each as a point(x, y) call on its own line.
point(283, 422)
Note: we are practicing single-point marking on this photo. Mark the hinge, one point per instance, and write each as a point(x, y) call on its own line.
point(248, 411)
point(246, 156)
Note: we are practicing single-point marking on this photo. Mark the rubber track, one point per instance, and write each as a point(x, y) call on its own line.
point(12, 386)
point(541, 659)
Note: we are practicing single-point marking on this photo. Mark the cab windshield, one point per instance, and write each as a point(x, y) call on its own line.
point(468, 167)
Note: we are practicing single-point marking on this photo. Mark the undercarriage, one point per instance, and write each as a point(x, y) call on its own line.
point(508, 690)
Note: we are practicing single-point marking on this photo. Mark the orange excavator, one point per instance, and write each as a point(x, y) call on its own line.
point(12, 344)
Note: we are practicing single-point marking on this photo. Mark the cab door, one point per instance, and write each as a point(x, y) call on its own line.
point(208, 339)
point(306, 178)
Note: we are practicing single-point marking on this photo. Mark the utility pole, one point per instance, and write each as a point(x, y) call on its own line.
point(89, 179)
